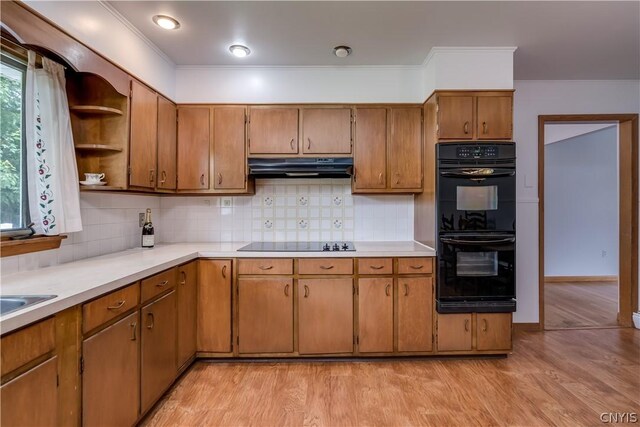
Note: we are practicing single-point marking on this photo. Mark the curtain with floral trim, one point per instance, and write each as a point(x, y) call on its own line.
point(52, 177)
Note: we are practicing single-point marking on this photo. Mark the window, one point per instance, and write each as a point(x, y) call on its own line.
point(14, 205)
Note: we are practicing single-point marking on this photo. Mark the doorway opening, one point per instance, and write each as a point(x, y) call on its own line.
point(588, 217)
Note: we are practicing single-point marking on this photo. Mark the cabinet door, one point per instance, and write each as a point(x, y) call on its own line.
point(493, 331)
point(265, 318)
point(31, 400)
point(187, 303)
point(194, 139)
point(494, 117)
point(214, 306)
point(326, 131)
point(158, 354)
point(325, 317)
point(370, 149)
point(405, 148)
point(455, 117)
point(229, 157)
point(167, 147)
point(273, 130)
point(111, 376)
point(144, 136)
point(375, 315)
point(415, 314)
point(454, 332)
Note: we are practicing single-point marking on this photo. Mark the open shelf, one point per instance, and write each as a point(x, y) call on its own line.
point(94, 109)
point(97, 147)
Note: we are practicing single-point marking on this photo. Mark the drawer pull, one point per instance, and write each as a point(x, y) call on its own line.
point(306, 291)
point(286, 290)
point(224, 271)
point(324, 267)
point(416, 267)
point(118, 305)
point(268, 267)
point(387, 290)
point(133, 330)
point(376, 267)
point(151, 317)
point(466, 325)
point(162, 284)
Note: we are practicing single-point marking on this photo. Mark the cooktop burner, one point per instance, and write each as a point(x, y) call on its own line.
point(298, 247)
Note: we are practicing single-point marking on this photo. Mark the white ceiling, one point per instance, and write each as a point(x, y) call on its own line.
point(555, 40)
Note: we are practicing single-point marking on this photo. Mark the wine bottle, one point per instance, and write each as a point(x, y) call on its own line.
point(148, 239)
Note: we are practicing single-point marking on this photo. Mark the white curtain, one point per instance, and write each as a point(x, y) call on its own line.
point(52, 177)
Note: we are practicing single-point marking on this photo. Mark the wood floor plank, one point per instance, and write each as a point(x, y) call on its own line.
point(580, 304)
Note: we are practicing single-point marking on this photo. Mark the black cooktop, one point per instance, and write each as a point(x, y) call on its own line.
point(298, 247)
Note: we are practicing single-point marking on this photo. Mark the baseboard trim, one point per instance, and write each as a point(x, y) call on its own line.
point(564, 279)
point(528, 327)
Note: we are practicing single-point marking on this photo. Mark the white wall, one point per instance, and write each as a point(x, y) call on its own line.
point(581, 205)
point(533, 98)
point(101, 28)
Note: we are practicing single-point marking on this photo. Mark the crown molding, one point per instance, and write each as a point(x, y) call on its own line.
point(300, 67)
point(440, 49)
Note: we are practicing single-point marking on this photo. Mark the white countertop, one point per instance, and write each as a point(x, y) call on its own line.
point(79, 281)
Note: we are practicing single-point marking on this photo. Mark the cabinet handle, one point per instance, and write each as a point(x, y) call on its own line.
point(286, 290)
point(326, 267)
point(184, 278)
point(376, 267)
point(164, 177)
point(406, 290)
point(466, 128)
point(291, 144)
point(224, 271)
point(380, 178)
point(466, 325)
point(484, 127)
point(397, 177)
point(268, 267)
point(162, 284)
point(134, 326)
point(387, 290)
point(309, 144)
point(152, 174)
point(416, 267)
point(153, 320)
point(485, 325)
point(306, 291)
point(219, 178)
point(118, 305)
point(202, 180)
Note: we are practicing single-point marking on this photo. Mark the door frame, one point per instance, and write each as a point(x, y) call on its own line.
point(628, 208)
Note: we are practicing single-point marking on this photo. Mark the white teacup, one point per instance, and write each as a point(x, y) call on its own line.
point(93, 177)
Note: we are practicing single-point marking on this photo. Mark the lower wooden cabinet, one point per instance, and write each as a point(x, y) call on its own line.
point(187, 289)
point(265, 315)
point(214, 306)
point(111, 376)
point(31, 400)
point(375, 315)
point(158, 349)
point(415, 314)
point(493, 331)
point(454, 332)
point(325, 316)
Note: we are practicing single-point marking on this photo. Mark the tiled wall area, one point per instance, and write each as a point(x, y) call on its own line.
point(110, 224)
point(286, 209)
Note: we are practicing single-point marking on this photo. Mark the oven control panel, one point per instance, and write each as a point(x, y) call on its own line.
point(477, 152)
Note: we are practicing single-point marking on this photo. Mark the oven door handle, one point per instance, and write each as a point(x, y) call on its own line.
point(477, 242)
point(477, 173)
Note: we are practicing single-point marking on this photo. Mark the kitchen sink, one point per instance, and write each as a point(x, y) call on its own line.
point(10, 303)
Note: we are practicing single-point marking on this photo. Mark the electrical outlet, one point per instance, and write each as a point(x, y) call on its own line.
point(140, 219)
point(604, 254)
point(227, 202)
point(206, 202)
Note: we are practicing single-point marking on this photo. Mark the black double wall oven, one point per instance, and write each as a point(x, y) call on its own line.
point(476, 214)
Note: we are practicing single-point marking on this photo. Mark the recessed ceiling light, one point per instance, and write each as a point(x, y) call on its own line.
point(239, 50)
point(342, 51)
point(166, 22)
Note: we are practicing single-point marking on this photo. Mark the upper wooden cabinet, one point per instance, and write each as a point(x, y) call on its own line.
point(326, 131)
point(194, 141)
point(405, 149)
point(370, 149)
point(474, 115)
point(229, 154)
point(273, 130)
point(167, 148)
point(144, 135)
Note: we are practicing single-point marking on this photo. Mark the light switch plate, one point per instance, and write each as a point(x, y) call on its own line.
point(140, 219)
point(227, 202)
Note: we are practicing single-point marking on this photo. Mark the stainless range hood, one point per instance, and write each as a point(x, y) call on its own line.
point(311, 167)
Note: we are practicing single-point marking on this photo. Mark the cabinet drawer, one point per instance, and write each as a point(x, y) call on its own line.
point(415, 265)
point(19, 348)
point(155, 285)
point(325, 266)
point(265, 266)
point(375, 266)
point(109, 306)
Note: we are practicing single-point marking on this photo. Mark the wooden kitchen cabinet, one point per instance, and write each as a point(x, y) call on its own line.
point(111, 375)
point(454, 332)
point(31, 400)
point(273, 130)
point(326, 131)
point(167, 144)
point(265, 315)
point(158, 366)
point(415, 314)
point(144, 136)
point(493, 331)
point(229, 152)
point(214, 306)
point(455, 117)
point(370, 149)
point(194, 141)
point(405, 149)
point(187, 290)
point(494, 117)
point(375, 315)
point(325, 318)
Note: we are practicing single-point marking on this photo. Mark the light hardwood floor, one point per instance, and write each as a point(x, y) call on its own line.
point(580, 305)
point(565, 378)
